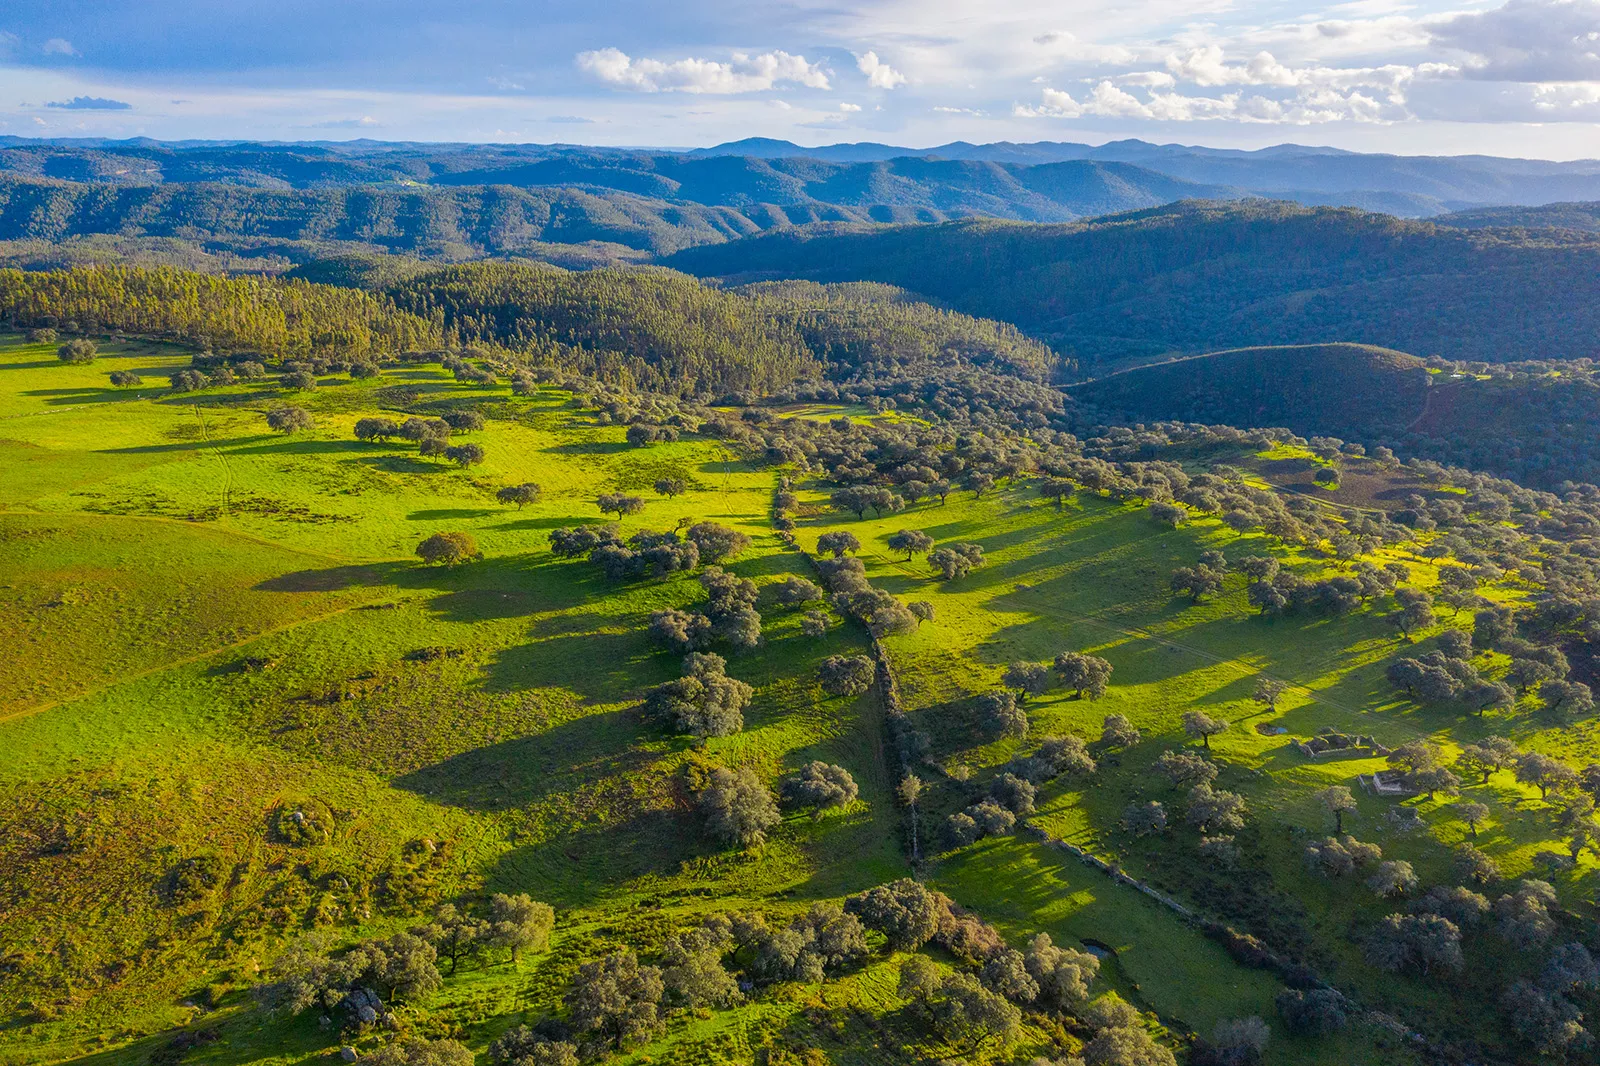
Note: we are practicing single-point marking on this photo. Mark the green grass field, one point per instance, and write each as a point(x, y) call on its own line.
point(211, 621)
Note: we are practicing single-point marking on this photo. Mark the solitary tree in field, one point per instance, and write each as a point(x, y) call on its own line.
point(519, 923)
point(911, 541)
point(1337, 799)
point(79, 350)
point(956, 560)
point(1026, 678)
point(1472, 813)
point(670, 486)
point(1202, 725)
point(376, 429)
point(821, 786)
point(847, 675)
point(521, 495)
point(1267, 691)
point(618, 999)
point(125, 379)
point(448, 548)
point(464, 455)
point(1117, 732)
point(838, 543)
point(289, 419)
point(738, 807)
point(619, 504)
point(1088, 675)
point(1197, 581)
point(921, 610)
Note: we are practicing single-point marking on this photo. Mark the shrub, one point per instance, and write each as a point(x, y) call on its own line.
point(289, 419)
point(449, 549)
point(78, 350)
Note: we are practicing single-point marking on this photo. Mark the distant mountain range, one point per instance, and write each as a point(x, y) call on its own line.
point(1044, 180)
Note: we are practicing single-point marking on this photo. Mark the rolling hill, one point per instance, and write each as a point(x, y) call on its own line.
point(1191, 277)
point(1535, 423)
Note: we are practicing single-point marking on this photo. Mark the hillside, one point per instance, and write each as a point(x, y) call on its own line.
point(1580, 217)
point(1334, 389)
point(260, 736)
point(1194, 276)
point(1535, 423)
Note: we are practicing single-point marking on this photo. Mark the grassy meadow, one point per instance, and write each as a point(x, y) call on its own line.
point(211, 623)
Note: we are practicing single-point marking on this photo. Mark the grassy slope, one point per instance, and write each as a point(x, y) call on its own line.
point(161, 539)
point(521, 757)
point(1093, 578)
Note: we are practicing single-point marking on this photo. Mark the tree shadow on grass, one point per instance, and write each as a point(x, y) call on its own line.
point(199, 444)
point(440, 514)
point(583, 751)
point(602, 667)
point(543, 523)
point(588, 447)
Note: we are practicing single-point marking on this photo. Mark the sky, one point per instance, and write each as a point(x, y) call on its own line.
point(1520, 77)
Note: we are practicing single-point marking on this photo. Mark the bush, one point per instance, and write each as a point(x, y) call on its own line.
point(289, 419)
point(449, 549)
point(125, 379)
point(78, 351)
point(847, 675)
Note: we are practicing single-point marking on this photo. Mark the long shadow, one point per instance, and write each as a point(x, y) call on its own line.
point(543, 523)
point(526, 770)
point(401, 463)
point(184, 446)
point(593, 447)
point(597, 666)
point(439, 514)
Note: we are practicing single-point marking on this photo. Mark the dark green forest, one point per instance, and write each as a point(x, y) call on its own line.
point(1196, 277)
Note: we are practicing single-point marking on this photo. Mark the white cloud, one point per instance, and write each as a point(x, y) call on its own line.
point(741, 74)
point(1528, 41)
point(880, 75)
point(363, 123)
point(850, 107)
point(57, 46)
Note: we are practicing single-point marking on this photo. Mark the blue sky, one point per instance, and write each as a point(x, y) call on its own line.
point(1508, 78)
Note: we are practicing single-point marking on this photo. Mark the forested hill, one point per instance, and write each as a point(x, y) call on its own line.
point(655, 204)
point(1192, 277)
point(1582, 217)
point(1535, 423)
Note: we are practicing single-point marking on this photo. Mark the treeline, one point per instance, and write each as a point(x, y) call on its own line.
point(281, 318)
point(1194, 276)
